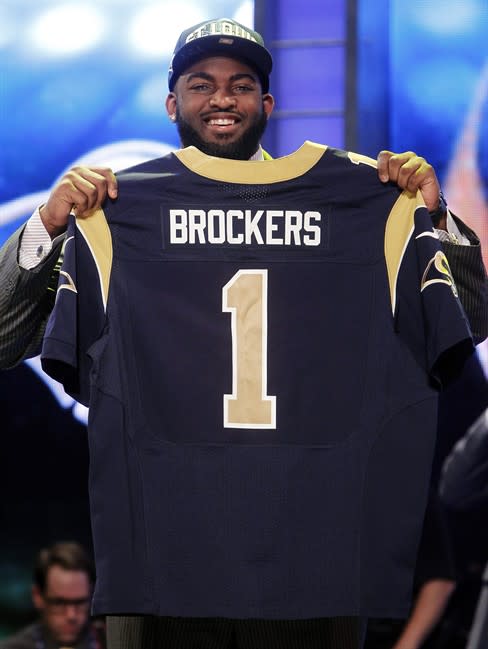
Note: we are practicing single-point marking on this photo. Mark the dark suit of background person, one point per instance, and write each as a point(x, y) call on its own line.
point(445, 586)
point(464, 480)
point(464, 486)
point(26, 302)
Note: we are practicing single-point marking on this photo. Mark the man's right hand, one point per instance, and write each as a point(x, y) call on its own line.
point(81, 190)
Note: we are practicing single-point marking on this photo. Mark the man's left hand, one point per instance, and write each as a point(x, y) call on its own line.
point(410, 171)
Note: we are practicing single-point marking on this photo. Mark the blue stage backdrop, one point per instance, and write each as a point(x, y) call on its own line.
point(86, 81)
point(439, 99)
point(423, 86)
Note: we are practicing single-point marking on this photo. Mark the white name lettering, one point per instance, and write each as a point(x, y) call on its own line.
point(245, 227)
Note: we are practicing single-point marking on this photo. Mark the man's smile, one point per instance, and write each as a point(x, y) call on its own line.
point(227, 123)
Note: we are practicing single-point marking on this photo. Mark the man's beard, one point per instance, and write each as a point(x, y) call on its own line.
point(240, 149)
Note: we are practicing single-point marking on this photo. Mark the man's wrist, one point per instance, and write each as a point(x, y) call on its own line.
point(439, 215)
point(53, 230)
point(35, 242)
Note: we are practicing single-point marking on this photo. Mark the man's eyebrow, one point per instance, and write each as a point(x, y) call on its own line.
point(199, 75)
point(243, 75)
point(208, 77)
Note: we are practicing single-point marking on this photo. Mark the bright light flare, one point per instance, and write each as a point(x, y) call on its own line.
point(156, 28)
point(8, 28)
point(244, 14)
point(449, 17)
point(67, 29)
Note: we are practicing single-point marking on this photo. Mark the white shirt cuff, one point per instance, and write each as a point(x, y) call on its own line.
point(35, 243)
point(453, 234)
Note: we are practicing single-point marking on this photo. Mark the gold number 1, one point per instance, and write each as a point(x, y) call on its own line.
point(245, 297)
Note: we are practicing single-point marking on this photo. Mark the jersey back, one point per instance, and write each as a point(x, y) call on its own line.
point(259, 345)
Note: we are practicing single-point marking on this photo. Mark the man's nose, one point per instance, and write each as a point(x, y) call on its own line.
point(72, 611)
point(222, 99)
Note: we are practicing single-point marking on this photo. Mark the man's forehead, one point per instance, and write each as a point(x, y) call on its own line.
point(59, 580)
point(220, 66)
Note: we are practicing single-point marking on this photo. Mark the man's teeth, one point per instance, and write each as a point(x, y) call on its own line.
point(221, 122)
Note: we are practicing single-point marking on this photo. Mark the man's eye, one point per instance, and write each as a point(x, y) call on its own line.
point(243, 89)
point(200, 87)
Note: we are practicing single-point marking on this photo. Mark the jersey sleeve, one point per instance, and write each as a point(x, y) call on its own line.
point(77, 318)
point(428, 313)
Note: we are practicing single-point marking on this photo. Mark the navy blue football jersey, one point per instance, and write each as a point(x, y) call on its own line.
point(260, 346)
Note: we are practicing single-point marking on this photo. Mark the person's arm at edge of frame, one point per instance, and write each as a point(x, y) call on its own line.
point(412, 172)
point(464, 478)
point(29, 292)
point(429, 606)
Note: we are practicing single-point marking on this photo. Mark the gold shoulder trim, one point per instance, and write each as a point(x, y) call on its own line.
point(252, 172)
point(358, 158)
point(398, 232)
point(95, 230)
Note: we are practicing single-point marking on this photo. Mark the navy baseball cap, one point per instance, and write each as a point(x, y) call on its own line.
point(224, 37)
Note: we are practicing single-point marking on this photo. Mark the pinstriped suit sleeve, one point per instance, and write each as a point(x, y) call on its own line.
point(26, 300)
point(471, 280)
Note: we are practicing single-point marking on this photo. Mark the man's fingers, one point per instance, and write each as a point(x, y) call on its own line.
point(412, 172)
point(70, 193)
point(83, 188)
point(408, 173)
point(423, 173)
point(383, 160)
point(101, 177)
point(389, 164)
point(109, 177)
point(90, 186)
point(406, 169)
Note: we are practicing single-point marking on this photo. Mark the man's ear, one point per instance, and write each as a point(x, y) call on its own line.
point(37, 598)
point(171, 106)
point(268, 104)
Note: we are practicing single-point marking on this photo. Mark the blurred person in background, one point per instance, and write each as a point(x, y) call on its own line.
point(464, 482)
point(434, 583)
point(61, 593)
point(464, 487)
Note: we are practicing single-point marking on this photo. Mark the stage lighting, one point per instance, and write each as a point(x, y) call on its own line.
point(67, 29)
point(155, 28)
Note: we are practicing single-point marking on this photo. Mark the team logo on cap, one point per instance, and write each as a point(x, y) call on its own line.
point(220, 27)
